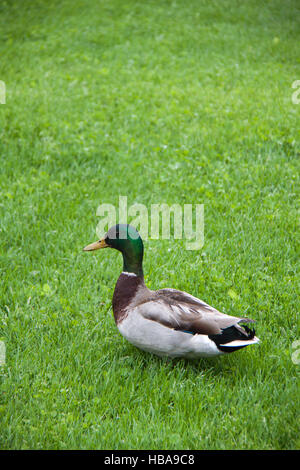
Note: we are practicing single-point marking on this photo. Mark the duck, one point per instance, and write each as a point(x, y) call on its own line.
point(167, 322)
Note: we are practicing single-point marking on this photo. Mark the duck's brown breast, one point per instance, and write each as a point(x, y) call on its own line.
point(126, 289)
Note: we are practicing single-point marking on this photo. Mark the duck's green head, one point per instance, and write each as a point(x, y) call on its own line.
point(126, 239)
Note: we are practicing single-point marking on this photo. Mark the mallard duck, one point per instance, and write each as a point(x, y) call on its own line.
point(167, 322)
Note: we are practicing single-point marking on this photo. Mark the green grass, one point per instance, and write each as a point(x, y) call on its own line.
point(159, 101)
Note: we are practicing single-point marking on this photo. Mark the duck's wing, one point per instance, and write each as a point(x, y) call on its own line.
point(181, 311)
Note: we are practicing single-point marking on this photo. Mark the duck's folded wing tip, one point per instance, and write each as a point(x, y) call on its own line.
point(237, 343)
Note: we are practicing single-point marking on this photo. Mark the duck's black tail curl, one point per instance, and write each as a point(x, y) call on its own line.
point(239, 335)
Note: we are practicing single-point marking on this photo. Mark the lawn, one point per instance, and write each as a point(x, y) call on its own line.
point(162, 102)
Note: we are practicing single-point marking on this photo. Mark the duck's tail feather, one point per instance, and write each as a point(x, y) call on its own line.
point(234, 337)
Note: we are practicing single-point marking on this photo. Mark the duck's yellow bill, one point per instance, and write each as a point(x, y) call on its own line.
point(96, 246)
